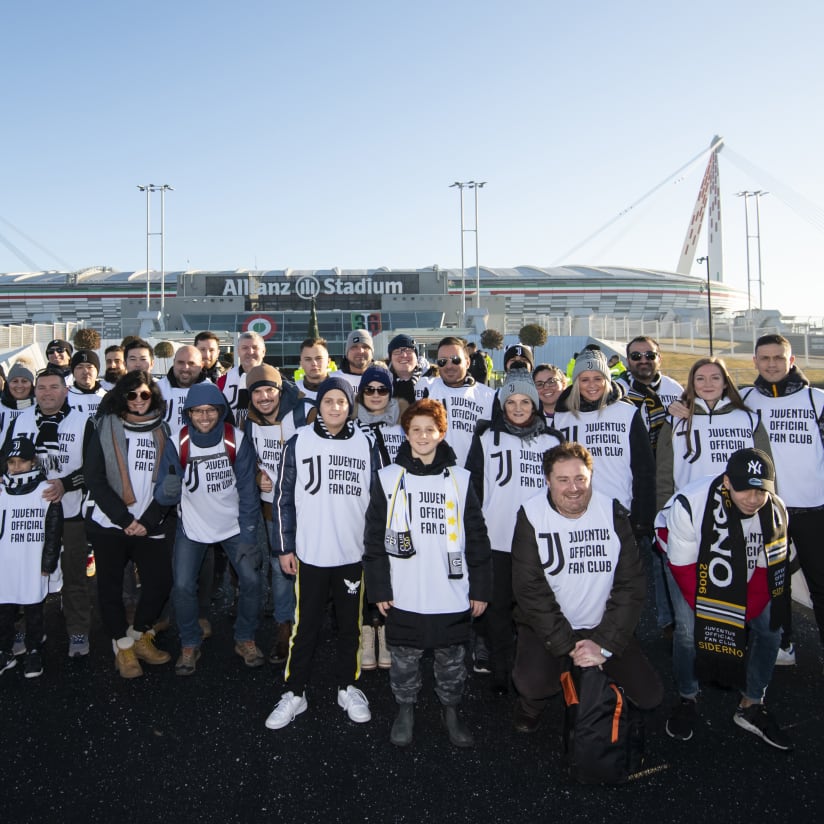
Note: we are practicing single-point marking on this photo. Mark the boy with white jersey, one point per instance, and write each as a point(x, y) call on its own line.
point(276, 411)
point(466, 401)
point(318, 519)
point(59, 434)
point(792, 412)
point(30, 533)
point(428, 566)
point(209, 471)
point(725, 540)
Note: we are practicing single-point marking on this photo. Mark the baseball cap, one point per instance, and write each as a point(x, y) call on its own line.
point(751, 469)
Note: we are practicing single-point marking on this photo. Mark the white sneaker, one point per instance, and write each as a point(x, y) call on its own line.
point(354, 702)
point(785, 657)
point(289, 706)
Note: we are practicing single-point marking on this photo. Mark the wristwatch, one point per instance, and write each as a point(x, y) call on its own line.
point(606, 653)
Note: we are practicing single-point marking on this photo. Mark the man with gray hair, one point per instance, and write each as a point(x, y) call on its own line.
point(250, 351)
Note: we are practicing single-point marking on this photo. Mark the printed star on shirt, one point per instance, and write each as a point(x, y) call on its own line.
point(453, 536)
point(452, 520)
point(450, 504)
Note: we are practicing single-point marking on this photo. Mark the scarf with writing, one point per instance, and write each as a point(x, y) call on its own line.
point(47, 445)
point(645, 396)
point(721, 586)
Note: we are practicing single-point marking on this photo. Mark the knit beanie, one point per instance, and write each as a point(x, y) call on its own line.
point(519, 350)
point(337, 383)
point(359, 336)
point(401, 342)
point(518, 382)
point(85, 356)
point(20, 370)
point(376, 373)
point(591, 361)
point(263, 375)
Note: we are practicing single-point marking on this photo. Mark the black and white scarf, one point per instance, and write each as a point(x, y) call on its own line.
point(721, 587)
point(645, 396)
point(47, 444)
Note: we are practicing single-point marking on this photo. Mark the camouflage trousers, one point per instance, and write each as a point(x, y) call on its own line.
point(449, 668)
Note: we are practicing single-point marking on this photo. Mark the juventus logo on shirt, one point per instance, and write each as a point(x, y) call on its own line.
point(504, 475)
point(3, 527)
point(554, 552)
point(313, 486)
point(696, 437)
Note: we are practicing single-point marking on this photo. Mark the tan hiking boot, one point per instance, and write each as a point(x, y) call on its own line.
point(368, 660)
point(145, 650)
point(125, 660)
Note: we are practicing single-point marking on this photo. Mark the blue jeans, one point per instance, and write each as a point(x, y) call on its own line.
point(188, 556)
point(663, 603)
point(283, 587)
point(762, 647)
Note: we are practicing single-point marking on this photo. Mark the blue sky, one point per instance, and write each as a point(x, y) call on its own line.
point(319, 134)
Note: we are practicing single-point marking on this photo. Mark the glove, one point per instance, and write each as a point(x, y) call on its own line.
point(172, 485)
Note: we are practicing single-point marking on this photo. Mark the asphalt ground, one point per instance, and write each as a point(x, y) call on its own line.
point(82, 744)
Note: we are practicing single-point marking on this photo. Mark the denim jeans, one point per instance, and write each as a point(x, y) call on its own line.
point(188, 557)
point(663, 602)
point(283, 587)
point(762, 647)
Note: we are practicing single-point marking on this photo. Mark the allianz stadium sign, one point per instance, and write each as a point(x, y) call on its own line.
point(310, 286)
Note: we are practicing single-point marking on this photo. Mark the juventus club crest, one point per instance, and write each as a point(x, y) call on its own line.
point(312, 486)
point(504, 473)
point(554, 553)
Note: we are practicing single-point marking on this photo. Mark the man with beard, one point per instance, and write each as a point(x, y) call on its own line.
point(186, 371)
point(360, 353)
point(208, 343)
point(115, 366)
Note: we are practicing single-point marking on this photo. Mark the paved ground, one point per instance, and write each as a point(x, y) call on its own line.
point(82, 744)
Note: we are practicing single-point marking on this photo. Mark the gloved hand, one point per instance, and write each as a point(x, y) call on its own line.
point(172, 485)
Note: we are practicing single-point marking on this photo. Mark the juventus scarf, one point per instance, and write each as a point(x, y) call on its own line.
point(721, 591)
point(642, 395)
point(47, 426)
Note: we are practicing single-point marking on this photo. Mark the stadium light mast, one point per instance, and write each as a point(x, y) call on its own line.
point(706, 259)
point(149, 188)
point(460, 187)
point(746, 195)
point(477, 185)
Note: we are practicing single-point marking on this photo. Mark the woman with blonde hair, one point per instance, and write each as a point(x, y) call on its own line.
point(717, 423)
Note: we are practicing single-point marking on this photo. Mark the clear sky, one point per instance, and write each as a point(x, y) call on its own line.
point(315, 134)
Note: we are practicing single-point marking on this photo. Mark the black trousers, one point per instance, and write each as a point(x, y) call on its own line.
point(33, 614)
point(313, 587)
point(537, 673)
point(806, 530)
point(113, 549)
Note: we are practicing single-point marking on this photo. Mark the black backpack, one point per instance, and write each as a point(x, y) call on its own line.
point(603, 732)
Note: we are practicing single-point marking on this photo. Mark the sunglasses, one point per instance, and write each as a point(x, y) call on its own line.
point(145, 395)
point(649, 355)
point(456, 360)
point(375, 390)
point(56, 350)
point(549, 382)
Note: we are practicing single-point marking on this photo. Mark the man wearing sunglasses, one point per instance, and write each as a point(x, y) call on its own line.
point(59, 354)
point(466, 401)
point(652, 392)
point(59, 434)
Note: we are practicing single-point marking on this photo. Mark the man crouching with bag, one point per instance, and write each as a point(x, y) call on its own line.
point(579, 585)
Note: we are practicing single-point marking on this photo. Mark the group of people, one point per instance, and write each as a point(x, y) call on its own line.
point(432, 511)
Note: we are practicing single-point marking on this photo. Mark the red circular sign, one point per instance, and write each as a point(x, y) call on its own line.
point(264, 325)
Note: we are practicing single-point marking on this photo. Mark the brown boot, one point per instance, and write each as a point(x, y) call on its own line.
point(125, 660)
point(145, 650)
point(280, 649)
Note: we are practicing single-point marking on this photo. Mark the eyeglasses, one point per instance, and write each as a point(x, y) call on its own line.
point(204, 410)
point(457, 360)
point(649, 355)
point(403, 350)
point(56, 350)
point(375, 390)
point(145, 395)
point(548, 383)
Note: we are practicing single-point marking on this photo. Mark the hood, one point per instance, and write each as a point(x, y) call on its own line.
point(205, 393)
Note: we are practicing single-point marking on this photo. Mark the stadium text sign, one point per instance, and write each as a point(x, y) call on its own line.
point(309, 287)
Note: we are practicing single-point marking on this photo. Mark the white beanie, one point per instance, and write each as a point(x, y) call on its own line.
point(591, 361)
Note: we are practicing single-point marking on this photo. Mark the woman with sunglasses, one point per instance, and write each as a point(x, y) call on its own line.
point(717, 423)
point(550, 381)
point(377, 412)
point(594, 412)
point(125, 523)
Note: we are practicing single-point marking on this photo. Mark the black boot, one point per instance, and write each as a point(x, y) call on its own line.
point(401, 735)
point(459, 733)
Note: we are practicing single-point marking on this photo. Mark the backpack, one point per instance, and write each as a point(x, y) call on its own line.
point(603, 732)
point(228, 444)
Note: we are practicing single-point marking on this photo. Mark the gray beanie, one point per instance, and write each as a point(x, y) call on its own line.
point(359, 336)
point(20, 370)
point(518, 382)
point(591, 361)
